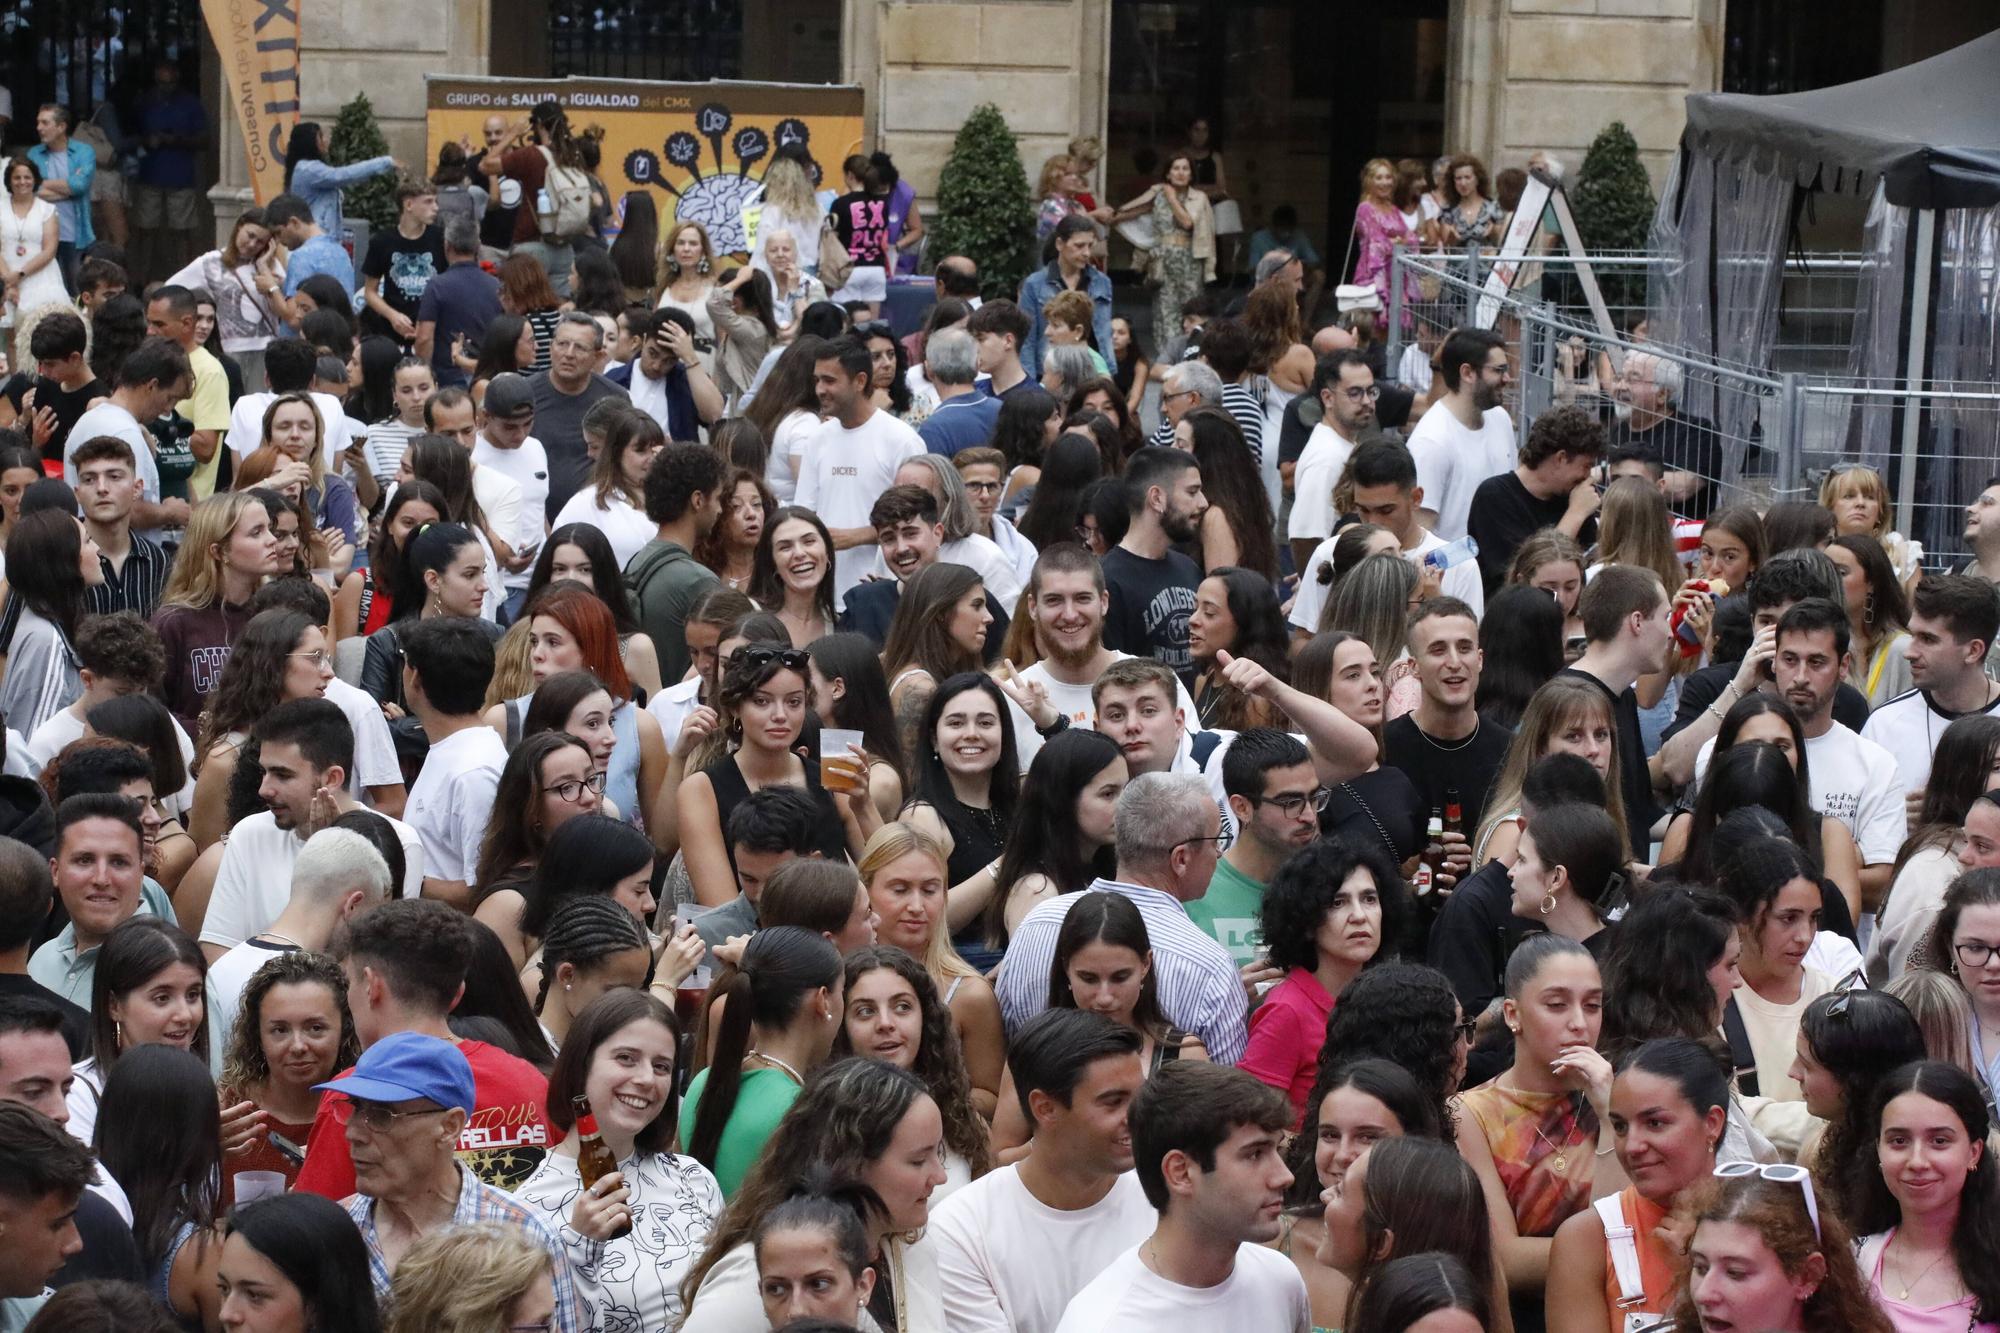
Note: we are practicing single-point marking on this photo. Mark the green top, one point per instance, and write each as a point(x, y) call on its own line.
point(1228, 913)
point(762, 1099)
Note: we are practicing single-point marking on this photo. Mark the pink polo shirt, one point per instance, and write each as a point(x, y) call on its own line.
point(1286, 1032)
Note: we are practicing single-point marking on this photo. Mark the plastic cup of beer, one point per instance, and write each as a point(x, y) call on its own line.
point(253, 1185)
point(839, 770)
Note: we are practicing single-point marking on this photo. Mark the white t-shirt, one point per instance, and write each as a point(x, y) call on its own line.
point(1461, 581)
point(626, 528)
point(841, 476)
point(1313, 480)
point(1263, 1292)
point(1855, 781)
point(375, 762)
point(981, 555)
point(1452, 461)
point(1909, 727)
point(1074, 701)
point(246, 426)
point(788, 442)
point(528, 468)
point(1010, 1263)
point(254, 881)
point(452, 800)
point(64, 726)
point(107, 418)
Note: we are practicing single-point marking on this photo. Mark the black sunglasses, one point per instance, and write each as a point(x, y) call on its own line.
point(758, 654)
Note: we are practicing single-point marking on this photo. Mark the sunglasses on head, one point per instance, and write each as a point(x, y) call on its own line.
point(1779, 1173)
point(757, 655)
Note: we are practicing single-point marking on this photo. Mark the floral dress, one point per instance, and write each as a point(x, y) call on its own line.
point(1175, 264)
point(1376, 233)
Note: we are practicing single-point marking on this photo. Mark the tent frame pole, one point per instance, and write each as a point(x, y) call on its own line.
point(1923, 280)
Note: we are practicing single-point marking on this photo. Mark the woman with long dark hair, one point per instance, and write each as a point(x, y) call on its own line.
point(1848, 1042)
point(51, 565)
point(634, 247)
point(966, 784)
point(1404, 1293)
point(1961, 772)
point(280, 656)
point(443, 573)
point(1521, 637)
point(1236, 530)
point(1569, 874)
point(1236, 611)
point(1028, 422)
point(614, 497)
point(148, 989)
point(591, 857)
point(850, 692)
point(786, 411)
point(745, 327)
point(507, 346)
point(581, 553)
point(295, 1251)
point(549, 780)
point(1105, 397)
point(367, 597)
point(447, 466)
point(793, 576)
point(1063, 829)
point(938, 631)
point(1672, 969)
point(730, 547)
point(1878, 612)
point(319, 182)
point(1069, 467)
point(592, 945)
point(1411, 1195)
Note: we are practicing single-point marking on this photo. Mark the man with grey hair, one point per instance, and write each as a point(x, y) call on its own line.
point(459, 302)
point(1646, 395)
point(964, 417)
point(1187, 385)
point(1169, 836)
point(338, 876)
point(563, 393)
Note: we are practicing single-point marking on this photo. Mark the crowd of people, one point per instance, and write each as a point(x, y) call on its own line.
point(524, 815)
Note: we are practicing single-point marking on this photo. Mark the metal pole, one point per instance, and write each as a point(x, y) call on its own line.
point(1791, 433)
point(1395, 351)
point(1914, 376)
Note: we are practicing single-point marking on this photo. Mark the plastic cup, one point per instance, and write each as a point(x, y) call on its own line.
point(839, 771)
point(252, 1185)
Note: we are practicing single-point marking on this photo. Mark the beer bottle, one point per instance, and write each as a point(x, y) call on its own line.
point(1454, 813)
point(1433, 858)
point(594, 1159)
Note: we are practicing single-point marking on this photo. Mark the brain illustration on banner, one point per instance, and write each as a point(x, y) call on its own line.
point(714, 191)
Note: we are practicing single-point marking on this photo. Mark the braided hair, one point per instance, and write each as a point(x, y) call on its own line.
point(583, 931)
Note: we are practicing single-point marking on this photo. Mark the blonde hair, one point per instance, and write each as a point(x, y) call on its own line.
point(1865, 480)
point(1635, 528)
point(789, 189)
point(1053, 170)
point(1369, 168)
point(316, 457)
point(1553, 707)
point(196, 578)
point(513, 669)
point(1550, 546)
point(463, 1280)
point(1943, 1013)
point(893, 842)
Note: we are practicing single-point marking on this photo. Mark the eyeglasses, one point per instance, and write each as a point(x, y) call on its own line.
point(1223, 841)
point(1974, 954)
point(319, 657)
point(1780, 1173)
point(983, 487)
point(757, 654)
point(1293, 803)
point(572, 789)
point(1465, 1029)
point(1180, 393)
point(1367, 395)
point(874, 328)
point(378, 1118)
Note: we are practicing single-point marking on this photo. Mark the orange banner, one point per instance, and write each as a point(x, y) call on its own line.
point(259, 44)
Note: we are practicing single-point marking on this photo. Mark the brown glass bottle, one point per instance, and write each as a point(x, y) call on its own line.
point(594, 1158)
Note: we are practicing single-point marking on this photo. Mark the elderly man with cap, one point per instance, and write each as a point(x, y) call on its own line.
point(402, 1109)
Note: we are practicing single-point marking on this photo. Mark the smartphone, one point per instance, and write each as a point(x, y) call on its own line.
point(290, 1151)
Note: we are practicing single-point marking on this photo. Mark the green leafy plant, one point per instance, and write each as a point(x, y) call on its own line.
point(1614, 205)
point(984, 210)
point(356, 137)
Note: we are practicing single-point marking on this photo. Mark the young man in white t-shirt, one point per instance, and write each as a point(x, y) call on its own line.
point(150, 381)
point(1205, 1142)
point(1016, 1245)
point(851, 459)
point(117, 655)
point(505, 446)
point(1466, 436)
point(447, 665)
point(1345, 387)
point(288, 368)
point(1953, 619)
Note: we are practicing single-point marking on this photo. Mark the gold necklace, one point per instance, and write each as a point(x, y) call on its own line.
point(1558, 1153)
point(1907, 1287)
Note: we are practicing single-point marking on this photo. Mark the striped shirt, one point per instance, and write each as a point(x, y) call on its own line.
point(1247, 406)
point(137, 587)
point(1200, 990)
point(481, 1203)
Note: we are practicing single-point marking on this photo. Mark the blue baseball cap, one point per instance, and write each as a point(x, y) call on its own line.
point(405, 1066)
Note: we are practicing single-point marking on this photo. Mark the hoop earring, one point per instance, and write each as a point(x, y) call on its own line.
point(1548, 903)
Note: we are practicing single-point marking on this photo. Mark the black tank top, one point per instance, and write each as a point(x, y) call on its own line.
point(725, 779)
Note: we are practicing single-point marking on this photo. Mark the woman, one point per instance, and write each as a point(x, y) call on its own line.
point(1351, 545)
point(1278, 353)
point(859, 1120)
point(684, 282)
point(763, 697)
point(1669, 1104)
point(29, 274)
point(594, 285)
point(1410, 1195)
point(730, 547)
point(479, 1278)
point(1182, 260)
point(850, 692)
point(312, 178)
point(292, 1263)
point(1374, 602)
point(1470, 217)
point(51, 566)
point(550, 779)
point(889, 368)
point(1672, 969)
point(1236, 612)
point(967, 785)
point(614, 499)
point(1130, 366)
point(302, 548)
point(1569, 874)
point(904, 872)
point(1877, 612)
point(366, 600)
point(1968, 926)
point(632, 1237)
point(1056, 191)
point(525, 291)
point(19, 469)
point(292, 1031)
point(508, 346)
point(292, 428)
point(794, 286)
point(494, 1006)
point(1432, 1292)
point(1102, 396)
point(581, 553)
point(1381, 807)
point(1063, 831)
point(938, 631)
point(1379, 227)
point(1928, 1206)
point(1532, 1133)
point(741, 308)
point(247, 279)
point(790, 209)
point(1552, 561)
point(1323, 918)
point(280, 656)
point(794, 573)
point(1764, 1254)
point(634, 249)
point(1962, 770)
point(1237, 526)
point(1858, 498)
point(591, 945)
point(1732, 546)
point(1069, 467)
point(148, 989)
point(1777, 897)
point(786, 413)
point(894, 1014)
point(443, 574)
point(1521, 637)
point(395, 422)
point(226, 552)
point(1847, 1042)
point(594, 857)
point(1030, 420)
point(812, 1254)
point(161, 1138)
point(781, 1009)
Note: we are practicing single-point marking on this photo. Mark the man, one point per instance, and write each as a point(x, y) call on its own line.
point(1854, 780)
point(107, 490)
point(1465, 436)
point(1626, 636)
point(683, 498)
point(960, 542)
point(958, 276)
point(852, 458)
point(447, 665)
point(1070, 271)
point(154, 377)
point(43, 1174)
point(1205, 1145)
point(1386, 493)
point(405, 963)
point(1000, 329)
point(99, 869)
point(496, 229)
point(338, 875)
point(1953, 619)
point(1550, 487)
point(203, 417)
point(1186, 386)
point(1647, 398)
point(1168, 836)
point(982, 471)
point(376, 774)
point(97, 281)
point(1982, 538)
point(1345, 387)
point(667, 381)
point(1444, 746)
point(768, 828)
point(307, 751)
point(408, 256)
point(67, 170)
point(964, 417)
point(63, 388)
point(27, 892)
point(711, 613)
point(503, 448)
point(634, 322)
point(522, 158)
point(906, 525)
point(288, 368)
point(117, 654)
point(404, 1106)
point(1301, 268)
point(1151, 584)
point(1017, 1244)
point(458, 303)
point(563, 393)
point(166, 188)
point(312, 251)
point(1275, 794)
